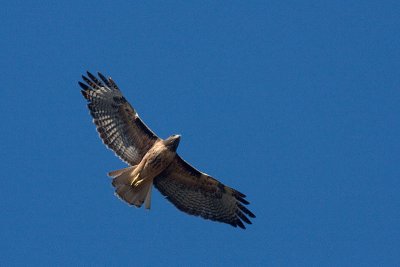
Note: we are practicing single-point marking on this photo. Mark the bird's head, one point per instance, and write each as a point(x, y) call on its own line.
point(172, 142)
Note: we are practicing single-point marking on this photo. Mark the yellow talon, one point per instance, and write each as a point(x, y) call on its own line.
point(135, 179)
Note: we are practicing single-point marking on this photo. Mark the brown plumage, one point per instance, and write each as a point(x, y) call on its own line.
point(153, 160)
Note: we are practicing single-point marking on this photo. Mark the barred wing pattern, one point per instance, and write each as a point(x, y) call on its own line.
point(199, 194)
point(117, 122)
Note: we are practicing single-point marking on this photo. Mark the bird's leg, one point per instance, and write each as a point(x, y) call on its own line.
point(136, 180)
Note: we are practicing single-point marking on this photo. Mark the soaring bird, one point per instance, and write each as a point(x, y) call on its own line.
point(153, 160)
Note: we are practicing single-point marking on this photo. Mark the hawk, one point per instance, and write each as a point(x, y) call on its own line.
point(153, 160)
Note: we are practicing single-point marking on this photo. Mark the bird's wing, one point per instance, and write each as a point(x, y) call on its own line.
point(199, 194)
point(117, 122)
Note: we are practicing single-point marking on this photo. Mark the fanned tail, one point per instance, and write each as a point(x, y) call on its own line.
point(116, 173)
point(131, 188)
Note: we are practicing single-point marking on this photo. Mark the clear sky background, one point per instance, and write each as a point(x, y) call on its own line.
point(295, 104)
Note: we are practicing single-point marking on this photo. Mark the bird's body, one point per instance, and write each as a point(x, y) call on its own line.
point(133, 184)
point(153, 160)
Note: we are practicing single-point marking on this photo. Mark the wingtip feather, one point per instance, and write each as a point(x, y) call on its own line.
point(85, 94)
point(94, 79)
point(83, 86)
point(240, 224)
point(244, 201)
point(243, 217)
point(104, 79)
point(246, 210)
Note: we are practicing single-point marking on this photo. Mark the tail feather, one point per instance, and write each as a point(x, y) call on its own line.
point(125, 193)
point(130, 188)
point(116, 173)
point(121, 191)
point(122, 177)
point(147, 202)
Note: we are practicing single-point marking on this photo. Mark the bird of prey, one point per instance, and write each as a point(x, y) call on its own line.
point(153, 160)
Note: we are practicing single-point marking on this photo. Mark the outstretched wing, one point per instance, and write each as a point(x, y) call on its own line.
point(199, 194)
point(117, 122)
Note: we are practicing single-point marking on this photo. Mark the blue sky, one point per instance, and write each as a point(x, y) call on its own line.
point(295, 104)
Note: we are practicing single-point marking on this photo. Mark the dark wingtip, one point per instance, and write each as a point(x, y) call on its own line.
point(243, 217)
point(91, 76)
point(250, 214)
point(104, 79)
point(113, 84)
point(240, 194)
point(246, 210)
point(240, 224)
point(94, 79)
point(83, 86)
point(85, 79)
point(244, 201)
point(101, 75)
point(84, 93)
